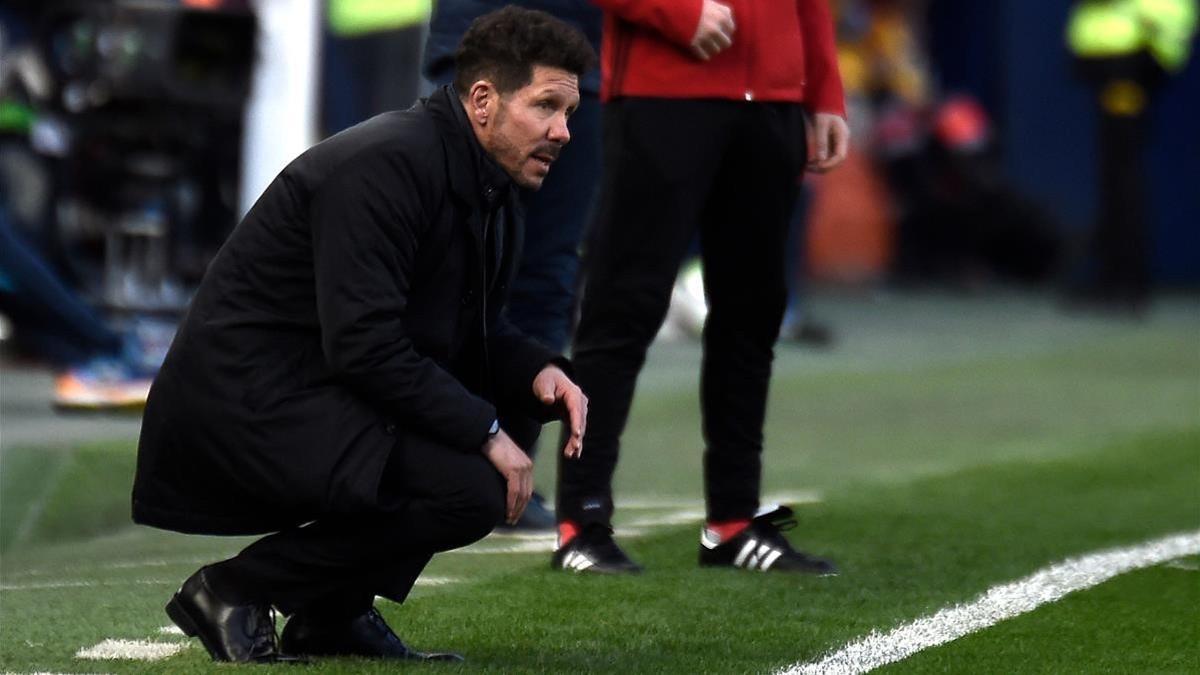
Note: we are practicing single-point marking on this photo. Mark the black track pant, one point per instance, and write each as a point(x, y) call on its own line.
point(437, 499)
point(724, 169)
point(1123, 234)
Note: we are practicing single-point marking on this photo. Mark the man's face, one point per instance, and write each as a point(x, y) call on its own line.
point(527, 129)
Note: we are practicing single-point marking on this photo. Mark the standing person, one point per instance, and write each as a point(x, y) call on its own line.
point(369, 48)
point(706, 110)
point(543, 292)
point(339, 377)
point(1124, 51)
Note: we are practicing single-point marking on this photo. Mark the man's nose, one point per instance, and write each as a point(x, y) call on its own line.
point(558, 132)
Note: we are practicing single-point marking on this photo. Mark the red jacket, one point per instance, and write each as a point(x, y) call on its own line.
point(783, 50)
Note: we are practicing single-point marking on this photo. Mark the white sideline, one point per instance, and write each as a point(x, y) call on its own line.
point(997, 604)
point(136, 650)
point(795, 497)
point(636, 527)
point(545, 543)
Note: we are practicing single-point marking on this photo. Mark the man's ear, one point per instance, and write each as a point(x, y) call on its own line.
point(481, 101)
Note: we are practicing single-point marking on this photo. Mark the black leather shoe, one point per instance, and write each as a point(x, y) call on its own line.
point(365, 635)
point(242, 633)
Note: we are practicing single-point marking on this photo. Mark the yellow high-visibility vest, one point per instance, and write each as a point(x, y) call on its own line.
point(356, 17)
point(1100, 28)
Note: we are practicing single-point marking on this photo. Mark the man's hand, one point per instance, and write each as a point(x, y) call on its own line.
point(517, 469)
point(552, 386)
point(828, 141)
point(714, 33)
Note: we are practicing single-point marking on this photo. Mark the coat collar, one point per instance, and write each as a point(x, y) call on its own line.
point(474, 175)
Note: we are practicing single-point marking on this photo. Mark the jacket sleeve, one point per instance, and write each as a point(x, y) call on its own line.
point(366, 221)
point(675, 19)
point(823, 89)
point(516, 360)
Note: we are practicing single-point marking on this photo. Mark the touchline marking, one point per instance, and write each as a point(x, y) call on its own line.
point(34, 514)
point(637, 527)
point(545, 543)
point(681, 517)
point(535, 546)
point(644, 503)
point(998, 604)
point(131, 650)
point(437, 581)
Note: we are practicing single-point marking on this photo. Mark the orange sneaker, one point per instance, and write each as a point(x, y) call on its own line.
point(101, 384)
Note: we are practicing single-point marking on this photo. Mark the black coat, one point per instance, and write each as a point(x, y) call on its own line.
point(350, 309)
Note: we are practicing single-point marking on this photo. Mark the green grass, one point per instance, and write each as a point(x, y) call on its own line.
point(1143, 622)
point(895, 422)
point(905, 550)
point(64, 494)
point(944, 469)
point(26, 478)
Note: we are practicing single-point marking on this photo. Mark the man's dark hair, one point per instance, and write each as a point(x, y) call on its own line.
point(503, 46)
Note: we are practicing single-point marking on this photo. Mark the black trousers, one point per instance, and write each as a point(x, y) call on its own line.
point(435, 498)
point(1122, 240)
point(727, 170)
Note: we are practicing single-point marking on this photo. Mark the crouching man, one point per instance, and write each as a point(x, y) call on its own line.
point(341, 376)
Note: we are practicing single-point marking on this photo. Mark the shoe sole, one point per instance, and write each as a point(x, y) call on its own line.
point(731, 566)
point(594, 569)
point(88, 407)
point(815, 575)
point(181, 617)
point(602, 572)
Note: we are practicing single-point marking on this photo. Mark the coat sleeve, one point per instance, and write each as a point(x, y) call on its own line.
point(823, 91)
point(516, 360)
point(675, 19)
point(366, 223)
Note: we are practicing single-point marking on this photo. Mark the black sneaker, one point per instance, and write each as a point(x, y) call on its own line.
point(762, 547)
point(593, 550)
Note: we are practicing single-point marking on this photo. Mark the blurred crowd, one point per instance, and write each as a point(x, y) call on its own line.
point(124, 144)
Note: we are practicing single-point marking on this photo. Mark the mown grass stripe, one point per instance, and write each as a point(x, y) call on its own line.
point(998, 604)
point(33, 513)
point(87, 583)
point(83, 583)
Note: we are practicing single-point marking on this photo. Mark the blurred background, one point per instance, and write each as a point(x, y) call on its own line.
point(991, 358)
point(1047, 148)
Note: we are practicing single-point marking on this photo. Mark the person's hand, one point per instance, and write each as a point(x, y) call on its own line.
point(828, 141)
point(517, 469)
point(714, 33)
point(552, 386)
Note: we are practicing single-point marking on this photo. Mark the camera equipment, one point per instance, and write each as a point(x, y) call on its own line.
point(145, 124)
